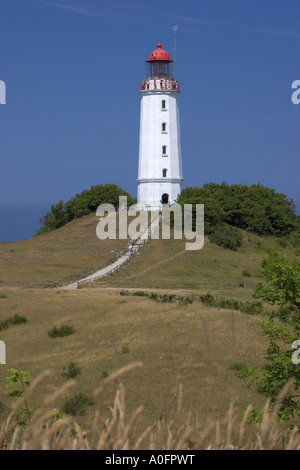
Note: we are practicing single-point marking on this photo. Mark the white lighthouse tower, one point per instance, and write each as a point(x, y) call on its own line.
point(160, 167)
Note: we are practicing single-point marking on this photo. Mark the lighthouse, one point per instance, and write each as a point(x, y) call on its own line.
point(160, 165)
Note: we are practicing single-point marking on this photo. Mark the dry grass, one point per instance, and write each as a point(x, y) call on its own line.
point(165, 264)
point(178, 344)
point(182, 394)
point(119, 432)
point(75, 250)
point(53, 256)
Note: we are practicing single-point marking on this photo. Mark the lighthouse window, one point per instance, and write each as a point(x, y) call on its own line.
point(164, 127)
point(163, 105)
point(164, 150)
point(164, 172)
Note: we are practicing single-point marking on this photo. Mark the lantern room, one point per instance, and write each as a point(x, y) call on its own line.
point(159, 64)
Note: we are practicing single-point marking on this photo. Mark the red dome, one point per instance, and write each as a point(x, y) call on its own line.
point(159, 55)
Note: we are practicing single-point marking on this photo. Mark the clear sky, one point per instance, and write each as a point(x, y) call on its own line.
point(72, 70)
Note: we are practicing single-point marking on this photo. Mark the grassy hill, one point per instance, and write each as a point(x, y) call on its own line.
point(191, 345)
point(71, 250)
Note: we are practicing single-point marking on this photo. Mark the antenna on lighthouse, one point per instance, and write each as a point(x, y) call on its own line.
point(175, 28)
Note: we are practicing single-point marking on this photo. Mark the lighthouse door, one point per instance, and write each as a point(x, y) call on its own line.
point(165, 198)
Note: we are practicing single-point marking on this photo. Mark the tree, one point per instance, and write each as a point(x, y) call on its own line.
point(82, 204)
point(255, 208)
point(226, 236)
point(282, 285)
point(54, 219)
point(281, 289)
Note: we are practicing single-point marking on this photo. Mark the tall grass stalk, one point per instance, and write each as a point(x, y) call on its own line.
point(47, 432)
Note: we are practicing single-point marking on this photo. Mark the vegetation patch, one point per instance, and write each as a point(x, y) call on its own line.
point(63, 330)
point(15, 320)
point(71, 371)
point(82, 204)
point(226, 236)
point(255, 208)
point(254, 308)
point(77, 403)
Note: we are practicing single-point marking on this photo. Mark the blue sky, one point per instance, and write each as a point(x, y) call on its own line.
point(72, 71)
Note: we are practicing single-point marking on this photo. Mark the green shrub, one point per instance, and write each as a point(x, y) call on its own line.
point(76, 404)
point(207, 299)
point(284, 312)
point(229, 303)
point(294, 239)
point(254, 208)
point(140, 294)
point(2, 407)
point(167, 297)
point(252, 307)
point(125, 348)
point(124, 292)
point(246, 273)
point(64, 330)
point(71, 371)
point(226, 236)
point(3, 296)
point(82, 204)
point(15, 320)
point(242, 370)
point(153, 296)
point(187, 300)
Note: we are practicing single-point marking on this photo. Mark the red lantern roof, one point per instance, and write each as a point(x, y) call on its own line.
point(159, 55)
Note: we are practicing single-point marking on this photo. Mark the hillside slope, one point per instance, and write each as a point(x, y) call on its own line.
point(190, 344)
point(73, 249)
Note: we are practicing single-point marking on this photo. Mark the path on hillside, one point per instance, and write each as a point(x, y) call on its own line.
point(157, 264)
point(144, 237)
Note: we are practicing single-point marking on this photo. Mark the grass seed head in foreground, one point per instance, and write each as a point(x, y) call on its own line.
point(49, 430)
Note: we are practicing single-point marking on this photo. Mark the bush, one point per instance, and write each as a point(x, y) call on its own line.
point(254, 308)
point(64, 330)
point(82, 204)
point(167, 297)
point(124, 292)
point(2, 407)
point(153, 296)
point(71, 371)
point(140, 294)
point(255, 208)
point(76, 404)
point(207, 299)
point(3, 296)
point(15, 320)
point(229, 303)
point(246, 273)
point(125, 348)
point(187, 300)
point(243, 371)
point(226, 236)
